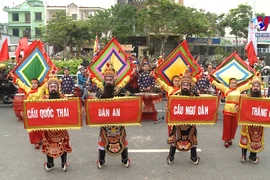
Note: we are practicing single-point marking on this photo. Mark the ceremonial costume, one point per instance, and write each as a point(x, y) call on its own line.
point(32, 94)
point(112, 139)
point(184, 137)
point(67, 84)
point(202, 85)
point(55, 142)
point(145, 81)
point(252, 137)
point(230, 110)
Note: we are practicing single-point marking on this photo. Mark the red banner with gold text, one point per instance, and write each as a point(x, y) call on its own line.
point(120, 111)
point(192, 110)
point(52, 114)
point(254, 111)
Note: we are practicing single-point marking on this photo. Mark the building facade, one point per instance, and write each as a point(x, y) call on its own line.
point(26, 20)
point(76, 12)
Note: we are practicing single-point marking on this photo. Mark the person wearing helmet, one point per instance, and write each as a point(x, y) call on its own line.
point(83, 81)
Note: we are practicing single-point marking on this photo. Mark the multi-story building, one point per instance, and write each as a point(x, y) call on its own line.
point(26, 20)
point(76, 12)
point(4, 35)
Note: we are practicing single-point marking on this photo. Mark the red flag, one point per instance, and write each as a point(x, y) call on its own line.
point(24, 45)
point(251, 54)
point(4, 55)
point(17, 53)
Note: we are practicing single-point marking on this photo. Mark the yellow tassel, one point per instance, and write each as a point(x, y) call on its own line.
point(105, 125)
point(54, 129)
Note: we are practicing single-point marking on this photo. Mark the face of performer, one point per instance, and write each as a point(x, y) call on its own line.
point(109, 80)
point(66, 72)
point(233, 83)
point(185, 88)
point(209, 69)
point(176, 81)
point(34, 84)
point(256, 90)
point(146, 68)
point(53, 91)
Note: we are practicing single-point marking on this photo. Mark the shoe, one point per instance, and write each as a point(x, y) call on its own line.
point(254, 160)
point(47, 168)
point(37, 146)
point(64, 167)
point(195, 160)
point(170, 160)
point(230, 142)
point(226, 144)
point(243, 159)
point(99, 165)
point(127, 164)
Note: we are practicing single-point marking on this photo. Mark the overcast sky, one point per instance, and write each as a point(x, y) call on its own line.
point(216, 6)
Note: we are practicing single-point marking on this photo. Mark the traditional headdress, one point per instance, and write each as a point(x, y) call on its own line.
point(109, 71)
point(187, 78)
point(257, 79)
point(52, 79)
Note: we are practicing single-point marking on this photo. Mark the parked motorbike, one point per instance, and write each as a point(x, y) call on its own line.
point(7, 89)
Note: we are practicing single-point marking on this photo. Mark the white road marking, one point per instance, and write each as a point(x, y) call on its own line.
point(153, 150)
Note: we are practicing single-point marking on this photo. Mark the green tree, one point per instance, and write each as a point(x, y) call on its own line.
point(101, 22)
point(237, 19)
point(157, 18)
point(80, 34)
point(123, 20)
point(56, 32)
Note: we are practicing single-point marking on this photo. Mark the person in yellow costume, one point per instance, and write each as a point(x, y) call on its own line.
point(252, 137)
point(230, 111)
point(32, 93)
point(174, 89)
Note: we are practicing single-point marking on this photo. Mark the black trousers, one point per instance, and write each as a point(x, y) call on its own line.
point(193, 152)
point(50, 160)
point(252, 155)
point(102, 154)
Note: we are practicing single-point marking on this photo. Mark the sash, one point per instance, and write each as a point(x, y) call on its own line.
point(174, 90)
point(227, 93)
point(32, 91)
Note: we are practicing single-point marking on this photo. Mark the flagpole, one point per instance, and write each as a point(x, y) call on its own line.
point(253, 8)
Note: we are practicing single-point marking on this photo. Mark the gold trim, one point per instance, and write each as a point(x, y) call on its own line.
point(246, 122)
point(74, 126)
point(117, 124)
point(53, 129)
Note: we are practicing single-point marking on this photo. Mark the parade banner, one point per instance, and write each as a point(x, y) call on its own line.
point(254, 111)
point(176, 63)
point(120, 111)
point(185, 110)
point(35, 64)
point(233, 67)
point(52, 114)
point(113, 54)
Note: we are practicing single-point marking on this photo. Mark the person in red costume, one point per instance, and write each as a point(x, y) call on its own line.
point(55, 142)
point(230, 112)
point(34, 92)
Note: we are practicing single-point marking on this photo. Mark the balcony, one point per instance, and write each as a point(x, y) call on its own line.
point(263, 50)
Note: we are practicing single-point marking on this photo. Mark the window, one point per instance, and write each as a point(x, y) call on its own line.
point(27, 18)
point(38, 16)
point(15, 17)
point(37, 32)
point(15, 32)
point(27, 33)
point(74, 16)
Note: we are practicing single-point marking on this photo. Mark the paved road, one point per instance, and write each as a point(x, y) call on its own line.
point(19, 159)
